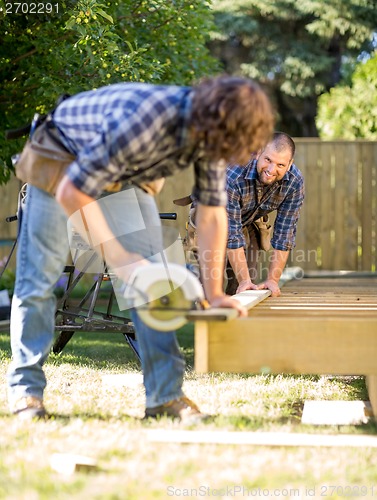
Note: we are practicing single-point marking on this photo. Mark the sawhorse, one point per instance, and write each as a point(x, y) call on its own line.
point(85, 315)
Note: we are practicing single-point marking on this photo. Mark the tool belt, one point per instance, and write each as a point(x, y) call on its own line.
point(43, 160)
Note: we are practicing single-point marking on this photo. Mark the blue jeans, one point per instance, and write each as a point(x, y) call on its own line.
point(41, 257)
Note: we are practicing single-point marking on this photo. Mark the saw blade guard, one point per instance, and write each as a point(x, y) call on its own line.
point(166, 293)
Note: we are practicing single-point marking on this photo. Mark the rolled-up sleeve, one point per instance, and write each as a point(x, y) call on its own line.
point(284, 236)
point(235, 234)
point(210, 179)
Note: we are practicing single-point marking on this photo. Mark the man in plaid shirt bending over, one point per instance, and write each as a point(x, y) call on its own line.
point(132, 134)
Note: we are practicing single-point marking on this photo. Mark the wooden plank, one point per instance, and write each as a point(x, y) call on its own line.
point(313, 345)
point(339, 274)
point(339, 194)
point(212, 314)
point(373, 207)
point(300, 160)
point(308, 227)
point(336, 412)
point(351, 171)
point(367, 214)
point(330, 285)
point(249, 299)
point(260, 438)
point(69, 463)
point(326, 213)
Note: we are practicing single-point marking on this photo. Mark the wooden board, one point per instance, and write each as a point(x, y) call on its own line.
point(68, 463)
point(249, 299)
point(261, 438)
point(336, 412)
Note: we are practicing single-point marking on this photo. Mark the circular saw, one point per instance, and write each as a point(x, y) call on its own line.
point(164, 294)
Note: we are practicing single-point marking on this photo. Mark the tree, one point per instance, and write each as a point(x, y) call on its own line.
point(78, 45)
point(350, 111)
point(296, 49)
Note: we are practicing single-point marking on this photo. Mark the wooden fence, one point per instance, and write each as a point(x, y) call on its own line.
point(338, 224)
point(337, 228)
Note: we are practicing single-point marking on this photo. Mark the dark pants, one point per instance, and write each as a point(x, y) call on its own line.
point(252, 252)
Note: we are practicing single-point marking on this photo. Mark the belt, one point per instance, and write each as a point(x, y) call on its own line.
point(53, 132)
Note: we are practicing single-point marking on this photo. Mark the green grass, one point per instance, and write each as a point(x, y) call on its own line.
point(94, 418)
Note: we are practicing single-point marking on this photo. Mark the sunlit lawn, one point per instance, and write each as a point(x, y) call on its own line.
point(99, 416)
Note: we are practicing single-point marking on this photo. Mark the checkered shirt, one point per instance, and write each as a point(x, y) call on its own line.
point(286, 198)
point(133, 133)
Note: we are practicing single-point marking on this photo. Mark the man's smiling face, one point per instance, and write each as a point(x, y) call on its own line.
point(272, 164)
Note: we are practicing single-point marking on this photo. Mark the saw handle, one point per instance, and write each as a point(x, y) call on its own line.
point(168, 215)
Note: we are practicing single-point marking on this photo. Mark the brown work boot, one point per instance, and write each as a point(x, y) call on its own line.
point(182, 408)
point(29, 408)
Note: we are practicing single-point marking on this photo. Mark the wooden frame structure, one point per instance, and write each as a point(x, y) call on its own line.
point(318, 326)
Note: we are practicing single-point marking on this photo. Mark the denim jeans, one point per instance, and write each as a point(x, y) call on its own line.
point(41, 256)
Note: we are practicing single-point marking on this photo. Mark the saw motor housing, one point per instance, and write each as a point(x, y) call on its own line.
point(167, 293)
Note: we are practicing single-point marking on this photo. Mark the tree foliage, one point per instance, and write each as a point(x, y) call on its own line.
point(350, 111)
point(296, 49)
point(89, 43)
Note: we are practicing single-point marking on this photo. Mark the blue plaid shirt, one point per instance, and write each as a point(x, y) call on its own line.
point(245, 192)
point(133, 133)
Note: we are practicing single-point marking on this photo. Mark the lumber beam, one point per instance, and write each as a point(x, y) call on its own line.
point(312, 345)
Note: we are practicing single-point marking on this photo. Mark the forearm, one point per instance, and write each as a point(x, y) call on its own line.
point(87, 218)
point(237, 259)
point(277, 264)
point(212, 227)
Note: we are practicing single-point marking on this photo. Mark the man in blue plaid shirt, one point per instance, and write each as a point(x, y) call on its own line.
point(270, 182)
point(133, 134)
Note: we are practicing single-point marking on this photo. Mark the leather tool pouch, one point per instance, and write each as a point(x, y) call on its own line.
point(43, 160)
point(264, 229)
point(190, 241)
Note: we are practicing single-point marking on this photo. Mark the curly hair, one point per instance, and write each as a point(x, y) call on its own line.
point(233, 116)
